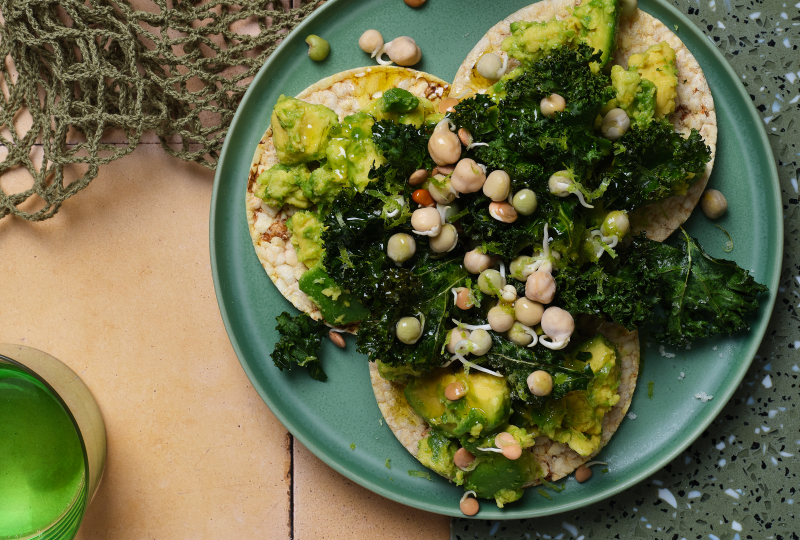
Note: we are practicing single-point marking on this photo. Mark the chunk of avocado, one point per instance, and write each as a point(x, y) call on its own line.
point(396, 373)
point(436, 452)
point(351, 152)
point(336, 305)
point(598, 25)
point(485, 406)
point(497, 477)
point(306, 229)
point(282, 184)
point(577, 418)
point(657, 64)
point(300, 130)
point(635, 95)
point(397, 100)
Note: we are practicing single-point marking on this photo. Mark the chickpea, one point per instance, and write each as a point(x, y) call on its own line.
point(336, 338)
point(464, 136)
point(628, 7)
point(414, 3)
point(713, 203)
point(509, 293)
point(491, 282)
point(318, 48)
point(552, 104)
point(456, 335)
point(445, 240)
point(403, 51)
point(540, 383)
point(497, 186)
point(528, 312)
point(481, 342)
point(512, 452)
point(469, 506)
point(467, 176)
point(447, 105)
point(489, 66)
point(401, 247)
point(444, 194)
point(463, 458)
point(508, 444)
point(418, 177)
point(408, 330)
point(463, 300)
point(500, 319)
point(540, 287)
point(502, 211)
point(615, 224)
point(517, 267)
point(476, 261)
point(455, 391)
point(615, 124)
point(557, 323)
point(371, 42)
point(582, 474)
point(559, 183)
point(426, 221)
point(444, 146)
point(524, 202)
point(518, 335)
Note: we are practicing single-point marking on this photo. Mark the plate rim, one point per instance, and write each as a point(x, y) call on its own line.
point(718, 404)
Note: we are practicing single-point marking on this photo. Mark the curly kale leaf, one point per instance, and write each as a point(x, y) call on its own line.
point(701, 295)
point(430, 298)
point(477, 114)
point(405, 148)
point(652, 163)
point(518, 362)
point(299, 344)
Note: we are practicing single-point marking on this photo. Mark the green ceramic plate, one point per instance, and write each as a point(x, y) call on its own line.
point(330, 417)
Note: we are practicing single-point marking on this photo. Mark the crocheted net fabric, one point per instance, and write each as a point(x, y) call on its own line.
point(100, 68)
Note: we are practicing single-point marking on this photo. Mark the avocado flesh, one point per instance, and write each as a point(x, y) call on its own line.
point(593, 21)
point(577, 418)
point(485, 406)
point(499, 478)
point(281, 184)
point(300, 130)
point(336, 305)
point(657, 64)
point(306, 229)
point(635, 95)
point(436, 452)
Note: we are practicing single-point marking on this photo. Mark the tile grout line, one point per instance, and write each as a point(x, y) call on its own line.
point(291, 486)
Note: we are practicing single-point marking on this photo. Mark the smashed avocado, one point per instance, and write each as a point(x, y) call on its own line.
point(436, 452)
point(657, 64)
point(300, 130)
point(485, 406)
point(306, 229)
point(336, 304)
point(635, 95)
point(351, 152)
point(593, 22)
point(281, 184)
point(577, 418)
point(499, 478)
point(403, 107)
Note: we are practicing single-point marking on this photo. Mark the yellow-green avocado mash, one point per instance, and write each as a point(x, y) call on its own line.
point(657, 64)
point(300, 130)
point(593, 21)
point(577, 418)
point(306, 231)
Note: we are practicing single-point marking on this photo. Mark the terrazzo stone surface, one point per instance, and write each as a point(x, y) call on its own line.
point(739, 480)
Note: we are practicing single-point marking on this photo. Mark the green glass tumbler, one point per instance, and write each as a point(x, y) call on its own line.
point(52, 446)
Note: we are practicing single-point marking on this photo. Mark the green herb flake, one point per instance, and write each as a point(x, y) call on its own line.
point(650, 385)
point(352, 446)
point(420, 474)
point(604, 471)
point(388, 463)
point(676, 27)
point(544, 494)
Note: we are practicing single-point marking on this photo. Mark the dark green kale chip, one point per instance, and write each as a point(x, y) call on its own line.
point(405, 148)
point(299, 344)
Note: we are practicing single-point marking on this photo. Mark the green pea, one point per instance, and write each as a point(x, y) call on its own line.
point(318, 48)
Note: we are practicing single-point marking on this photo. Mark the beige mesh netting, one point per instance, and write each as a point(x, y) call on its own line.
point(83, 80)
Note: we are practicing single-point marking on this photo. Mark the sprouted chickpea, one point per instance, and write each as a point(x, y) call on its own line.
point(615, 124)
point(409, 330)
point(446, 240)
point(402, 50)
point(502, 211)
point(476, 261)
point(467, 177)
point(444, 145)
point(463, 458)
point(463, 298)
point(497, 186)
point(457, 335)
point(491, 282)
point(561, 184)
point(500, 318)
point(371, 42)
point(469, 505)
point(520, 334)
point(524, 202)
point(613, 229)
point(401, 247)
point(318, 48)
point(713, 203)
point(492, 67)
point(528, 312)
point(426, 221)
point(558, 325)
point(552, 104)
point(540, 383)
point(455, 391)
point(479, 342)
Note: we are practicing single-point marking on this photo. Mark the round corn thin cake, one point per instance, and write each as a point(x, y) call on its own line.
point(694, 106)
point(555, 459)
point(345, 93)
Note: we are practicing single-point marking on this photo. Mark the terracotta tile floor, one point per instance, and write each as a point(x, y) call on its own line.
point(118, 286)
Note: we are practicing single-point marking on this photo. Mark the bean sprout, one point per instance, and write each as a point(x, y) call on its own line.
point(490, 450)
point(553, 345)
point(474, 144)
point(471, 326)
point(474, 366)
